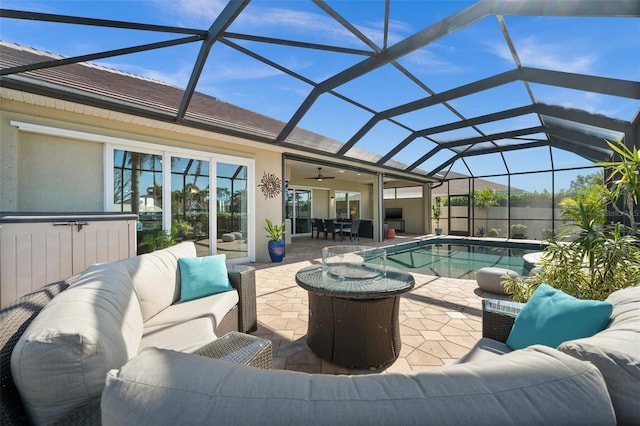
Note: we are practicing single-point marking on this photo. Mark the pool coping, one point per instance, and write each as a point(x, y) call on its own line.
point(481, 241)
point(534, 246)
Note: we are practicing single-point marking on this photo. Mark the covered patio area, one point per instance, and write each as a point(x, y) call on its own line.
point(440, 319)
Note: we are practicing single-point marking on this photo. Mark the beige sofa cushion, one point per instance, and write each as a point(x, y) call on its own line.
point(213, 307)
point(156, 277)
point(538, 385)
point(61, 360)
point(616, 353)
point(183, 337)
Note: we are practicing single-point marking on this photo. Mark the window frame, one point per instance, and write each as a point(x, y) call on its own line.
point(166, 152)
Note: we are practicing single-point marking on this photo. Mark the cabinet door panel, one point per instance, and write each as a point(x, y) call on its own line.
point(100, 241)
point(33, 254)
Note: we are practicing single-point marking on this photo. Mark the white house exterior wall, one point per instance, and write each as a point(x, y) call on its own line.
point(43, 172)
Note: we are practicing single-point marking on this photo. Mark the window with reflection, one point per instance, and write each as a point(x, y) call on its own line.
point(184, 214)
point(231, 210)
point(137, 188)
point(190, 201)
point(347, 205)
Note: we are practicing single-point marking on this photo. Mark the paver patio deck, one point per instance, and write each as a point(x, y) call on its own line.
point(440, 318)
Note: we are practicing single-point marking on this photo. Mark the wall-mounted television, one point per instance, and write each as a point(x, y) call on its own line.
point(393, 213)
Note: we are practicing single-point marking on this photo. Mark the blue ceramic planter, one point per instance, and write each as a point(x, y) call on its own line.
point(276, 250)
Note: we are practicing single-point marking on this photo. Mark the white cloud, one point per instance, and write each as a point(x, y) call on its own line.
point(429, 62)
point(304, 23)
point(193, 13)
point(227, 71)
point(591, 102)
point(374, 31)
point(178, 78)
point(256, 19)
point(300, 25)
point(548, 55)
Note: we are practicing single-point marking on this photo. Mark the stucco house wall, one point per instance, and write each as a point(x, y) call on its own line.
point(63, 172)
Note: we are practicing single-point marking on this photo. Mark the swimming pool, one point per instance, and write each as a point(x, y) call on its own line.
point(459, 258)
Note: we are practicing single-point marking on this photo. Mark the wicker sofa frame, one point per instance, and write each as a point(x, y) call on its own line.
point(497, 320)
point(16, 317)
point(498, 317)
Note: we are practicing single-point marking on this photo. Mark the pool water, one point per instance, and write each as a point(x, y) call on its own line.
point(457, 259)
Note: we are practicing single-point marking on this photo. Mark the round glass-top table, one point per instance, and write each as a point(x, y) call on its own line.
point(353, 322)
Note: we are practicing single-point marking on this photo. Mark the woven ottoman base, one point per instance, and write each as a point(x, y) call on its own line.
point(240, 348)
point(490, 278)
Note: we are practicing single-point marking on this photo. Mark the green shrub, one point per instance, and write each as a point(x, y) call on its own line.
point(493, 232)
point(519, 231)
point(612, 263)
point(182, 228)
point(590, 259)
point(156, 240)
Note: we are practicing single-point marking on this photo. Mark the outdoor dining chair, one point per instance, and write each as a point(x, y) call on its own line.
point(352, 230)
point(318, 224)
point(329, 228)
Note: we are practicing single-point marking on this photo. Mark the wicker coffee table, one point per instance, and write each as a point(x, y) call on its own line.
point(354, 322)
point(240, 348)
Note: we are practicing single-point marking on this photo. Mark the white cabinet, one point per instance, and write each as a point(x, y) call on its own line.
point(37, 249)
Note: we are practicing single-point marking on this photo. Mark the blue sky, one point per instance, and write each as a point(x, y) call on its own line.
point(594, 46)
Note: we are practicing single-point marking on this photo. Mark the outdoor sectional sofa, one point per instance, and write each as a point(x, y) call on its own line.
point(588, 381)
point(59, 349)
point(594, 380)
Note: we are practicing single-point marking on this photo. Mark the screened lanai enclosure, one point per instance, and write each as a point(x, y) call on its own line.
point(500, 107)
point(494, 206)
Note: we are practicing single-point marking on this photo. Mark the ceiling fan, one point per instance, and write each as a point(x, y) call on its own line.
point(320, 177)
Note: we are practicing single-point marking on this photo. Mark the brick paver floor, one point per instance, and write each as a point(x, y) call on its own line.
point(440, 318)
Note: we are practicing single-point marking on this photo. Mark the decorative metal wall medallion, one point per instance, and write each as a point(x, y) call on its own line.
point(271, 185)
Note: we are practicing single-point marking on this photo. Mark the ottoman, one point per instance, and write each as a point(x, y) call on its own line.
point(227, 238)
point(240, 348)
point(490, 278)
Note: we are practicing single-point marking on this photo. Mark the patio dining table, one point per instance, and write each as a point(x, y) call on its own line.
point(340, 226)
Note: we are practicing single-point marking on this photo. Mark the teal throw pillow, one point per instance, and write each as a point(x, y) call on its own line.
point(551, 317)
point(202, 276)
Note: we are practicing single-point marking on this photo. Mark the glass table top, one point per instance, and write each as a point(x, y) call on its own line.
point(354, 285)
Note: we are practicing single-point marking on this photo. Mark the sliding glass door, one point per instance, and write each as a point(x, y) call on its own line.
point(171, 194)
point(231, 210)
point(298, 209)
point(190, 202)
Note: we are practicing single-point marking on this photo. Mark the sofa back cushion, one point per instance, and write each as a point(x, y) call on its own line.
point(156, 277)
point(616, 353)
point(14, 320)
point(61, 360)
point(538, 385)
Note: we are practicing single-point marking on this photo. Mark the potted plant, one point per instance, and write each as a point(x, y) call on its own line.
point(275, 234)
point(436, 210)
